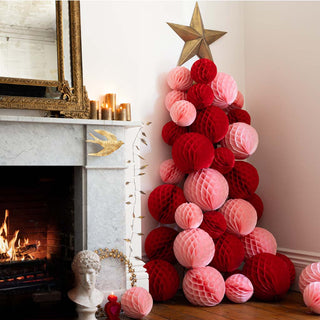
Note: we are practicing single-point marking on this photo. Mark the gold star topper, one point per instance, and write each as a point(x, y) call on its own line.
point(196, 38)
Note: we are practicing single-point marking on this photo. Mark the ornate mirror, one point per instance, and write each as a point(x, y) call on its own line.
point(40, 57)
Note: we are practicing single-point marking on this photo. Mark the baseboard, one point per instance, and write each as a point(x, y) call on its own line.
point(300, 260)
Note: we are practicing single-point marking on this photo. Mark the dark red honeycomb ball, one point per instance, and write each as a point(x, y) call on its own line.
point(171, 132)
point(214, 224)
point(223, 161)
point(290, 265)
point(159, 244)
point(200, 95)
point(256, 201)
point(163, 202)
point(239, 115)
point(203, 71)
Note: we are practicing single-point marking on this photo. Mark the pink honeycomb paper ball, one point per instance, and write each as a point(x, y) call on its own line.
point(242, 139)
point(238, 102)
point(203, 286)
point(225, 90)
point(309, 274)
point(240, 215)
point(170, 173)
point(174, 96)
point(207, 188)
point(311, 297)
point(239, 288)
point(179, 78)
point(183, 113)
point(260, 240)
point(188, 215)
point(193, 248)
point(136, 302)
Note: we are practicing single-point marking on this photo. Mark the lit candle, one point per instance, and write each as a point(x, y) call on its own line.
point(112, 308)
point(122, 113)
point(127, 107)
point(110, 99)
point(106, 112)
point(94, 107)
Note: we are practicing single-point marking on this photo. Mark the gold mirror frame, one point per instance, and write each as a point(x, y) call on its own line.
point(74, 102)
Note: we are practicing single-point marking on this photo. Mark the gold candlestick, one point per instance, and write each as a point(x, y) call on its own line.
point(110, 100)
point(127, 107)
point(106, 113)
point(94, 107)
point(121, 113)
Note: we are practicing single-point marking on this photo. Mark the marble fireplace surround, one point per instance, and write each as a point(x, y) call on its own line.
point(102, 219)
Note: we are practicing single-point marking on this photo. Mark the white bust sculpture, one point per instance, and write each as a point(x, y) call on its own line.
point(86, 265)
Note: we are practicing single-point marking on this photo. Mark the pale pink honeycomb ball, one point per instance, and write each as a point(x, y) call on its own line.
point(309, 274)
point(188, 215)
point(204, 286)
point(311, 296)
point(239, 288)
point(207, 188)
point(242, 139)
point(240, 215)
point(224, 89)
point(260, 240)
point(170, 173)
point(179, 78)
point(174, 96)
point(136, 302)
point(193, 248)
point(183, 113)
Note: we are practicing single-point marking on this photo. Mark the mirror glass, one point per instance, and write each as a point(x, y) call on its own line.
point(28, 44)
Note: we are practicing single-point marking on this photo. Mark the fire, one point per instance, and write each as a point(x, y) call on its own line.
point(14, 249)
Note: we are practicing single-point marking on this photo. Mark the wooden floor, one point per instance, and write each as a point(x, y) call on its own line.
point(292, 307)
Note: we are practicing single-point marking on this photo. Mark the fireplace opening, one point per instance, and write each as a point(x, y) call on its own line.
point(37, 240)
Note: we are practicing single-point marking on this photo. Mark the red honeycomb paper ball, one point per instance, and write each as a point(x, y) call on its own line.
point(188, 215)
point(179, 78)
point(223, 160)
point(159, 244)
point(229, 253)
point(242, 139)
point(256, 201)
point(183, 113)
point(170, 173)
point(309, 274)
point(269, 276)
point(200, 95)
point(163, 202)
point(203, 71)
point(239, 115)
point(171, 132)
point(311, 296)
point(240, 215)
point(136, 302)
point(243, 180)
point(211, 122)
point(260, 240)
point(239, 288)
point(290, 265)
point(174, 96)
point(203, 286)
point(188, 152)
point(207, 188)
point(193, 248)
point(163, 279)
point(214, 224)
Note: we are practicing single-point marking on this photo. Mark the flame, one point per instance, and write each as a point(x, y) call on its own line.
point(9, 250)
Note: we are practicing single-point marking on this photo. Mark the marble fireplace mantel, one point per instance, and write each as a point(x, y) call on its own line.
point(102, 219)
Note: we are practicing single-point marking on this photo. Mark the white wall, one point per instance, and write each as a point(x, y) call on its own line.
point(283, 98)
point(128, 48)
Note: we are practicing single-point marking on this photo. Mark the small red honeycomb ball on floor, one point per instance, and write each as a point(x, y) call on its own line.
point(163, 279)
point(223, 160)
point(243, 180)
point(163, 202)
point(256, 201)
point(269, 275)
point(212, 122)
point(159, 244)
point(229, 253)
point(171, 132)
point(290, 265)
point(200, 95)
point(203, 71)
point(188, 152)
point(214, 224)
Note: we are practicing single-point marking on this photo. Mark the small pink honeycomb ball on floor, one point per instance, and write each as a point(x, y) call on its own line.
point(239, 288)
point(310, 273)
point(188, 215)
point(193, 248)
point(183, 113)
point(179, 78)
point(260, 240)
point(174, 96)
point(136, 302)
point(204, 286)
point(170, 173)
point(311, 297)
